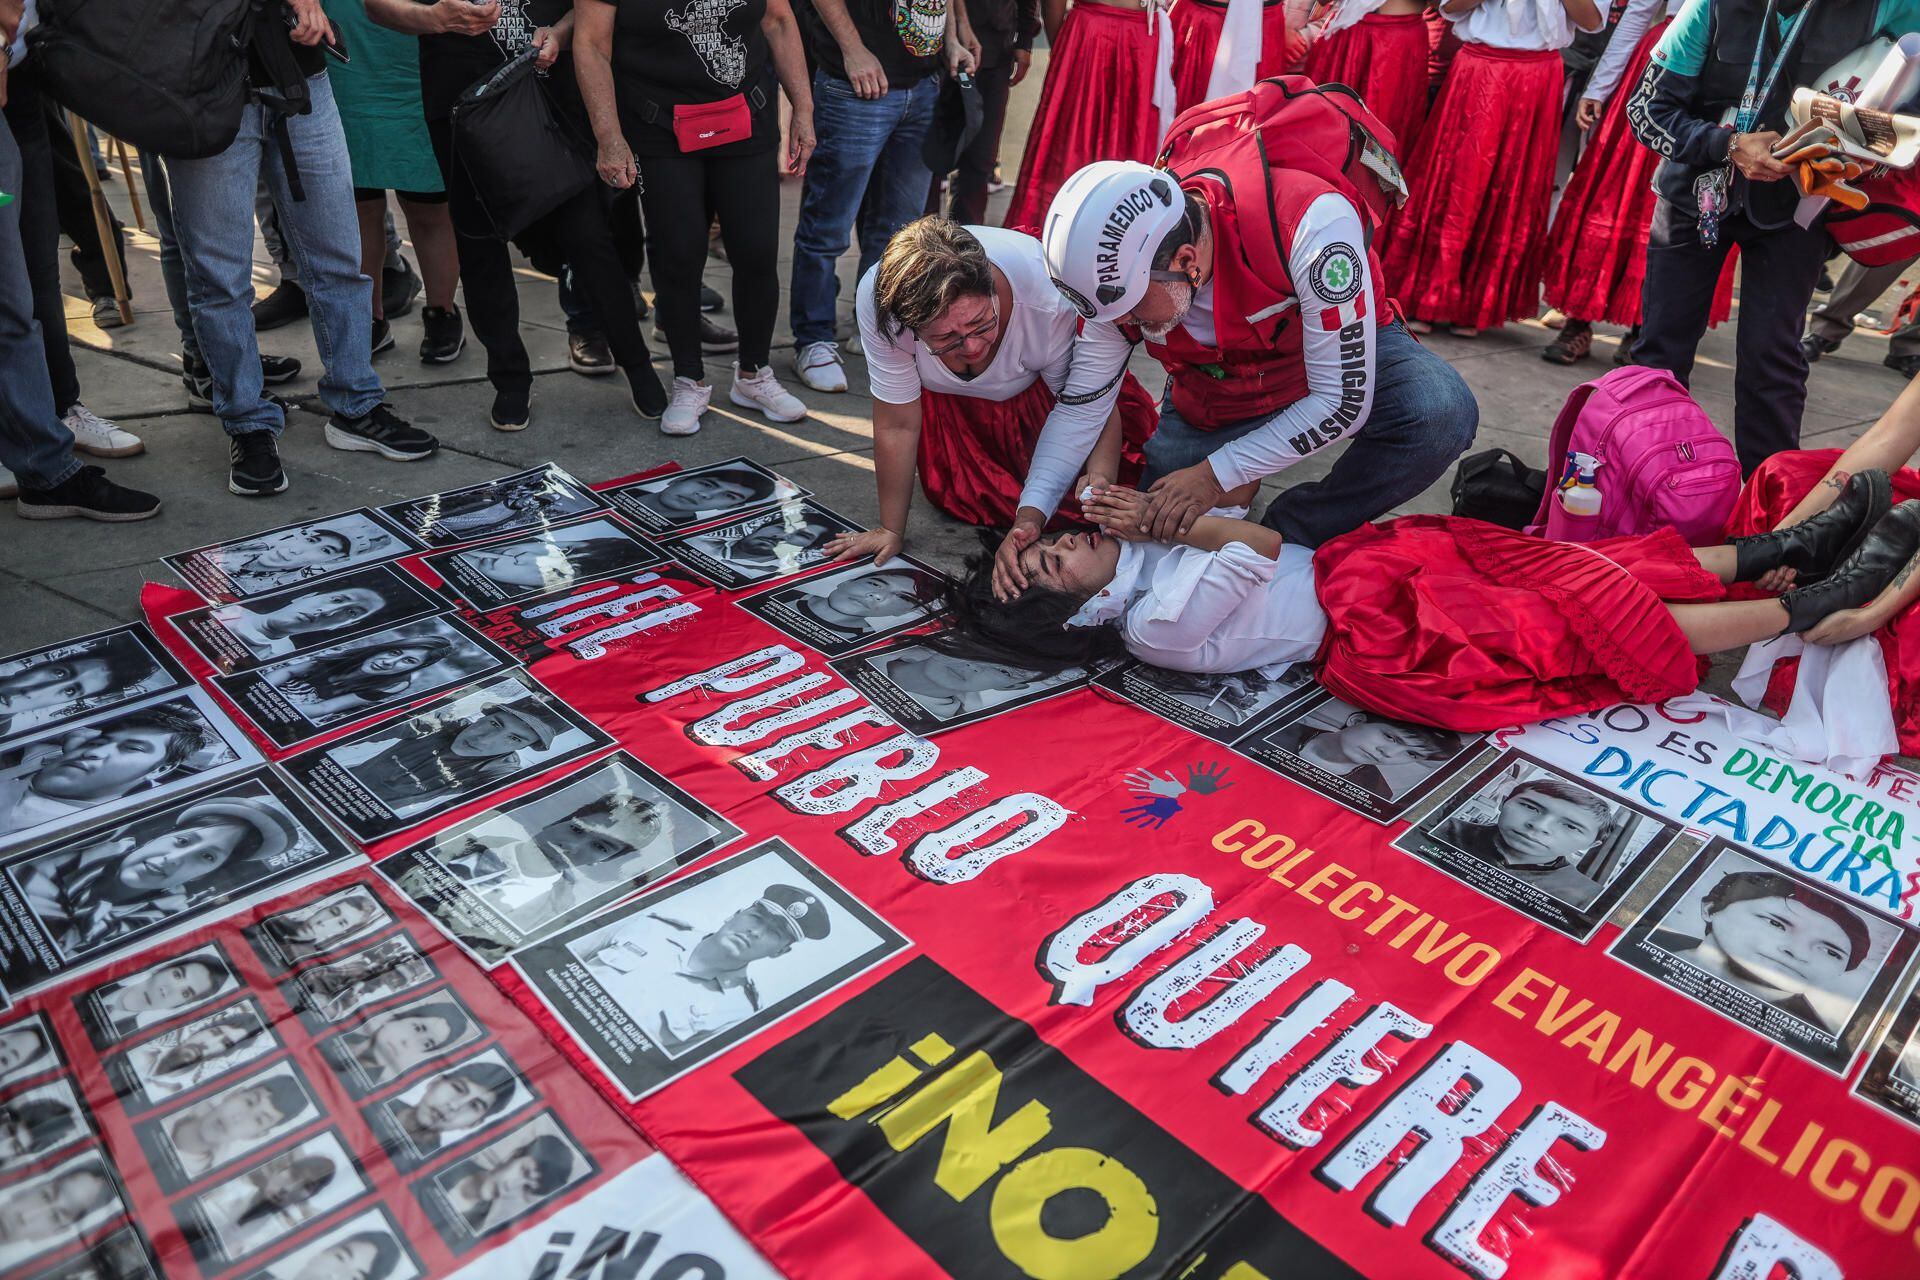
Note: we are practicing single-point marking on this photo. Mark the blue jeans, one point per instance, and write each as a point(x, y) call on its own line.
point(213, 221)
point(173, 270)
point(34, 444)
point(1423, 417)
point(867, 165)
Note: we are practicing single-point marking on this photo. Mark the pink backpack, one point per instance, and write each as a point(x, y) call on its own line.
point(1663, 461)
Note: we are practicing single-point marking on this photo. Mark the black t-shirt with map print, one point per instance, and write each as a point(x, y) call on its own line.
point(450, 64)
point(674, 52)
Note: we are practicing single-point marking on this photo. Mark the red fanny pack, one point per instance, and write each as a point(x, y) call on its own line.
point(699, 125)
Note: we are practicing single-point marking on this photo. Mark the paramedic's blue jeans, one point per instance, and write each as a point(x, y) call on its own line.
point(1423, 417)
point(868, 167)
point(213, 221)
point(34, 444)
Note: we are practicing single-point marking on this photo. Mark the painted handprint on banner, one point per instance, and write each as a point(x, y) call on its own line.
point(1158, 794)
point(1151, 815)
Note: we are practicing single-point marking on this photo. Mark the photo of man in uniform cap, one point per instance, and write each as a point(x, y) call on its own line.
point(681, 985)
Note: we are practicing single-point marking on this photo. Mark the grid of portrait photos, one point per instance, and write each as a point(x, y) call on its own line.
point(701, 495)
point(536, 563)
point(289, 556)
point(659, 984)
point(752, 549)
point(532, 499)
point(401, 772)
point(1771, 950)
point(60, 683)
point(849, 608)
point(1542, 841)
point(518, 874)
point(298, 620)
point(926, 688)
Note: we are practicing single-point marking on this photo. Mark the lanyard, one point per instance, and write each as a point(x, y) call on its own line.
point(1757, 93)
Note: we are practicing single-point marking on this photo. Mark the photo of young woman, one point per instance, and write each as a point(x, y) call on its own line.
point(1368, 762)
point(184, 1058)
point(176, 986)
point(295, 620)
point(319, 927)
point(1223, 706)
point(687, 498)
point(39, 1122)
point(184, 1146)
point(271, 1200)
point(395, 1042)
point(449, 1106)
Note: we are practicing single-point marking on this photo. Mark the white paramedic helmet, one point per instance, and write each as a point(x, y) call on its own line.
point(1102, 230)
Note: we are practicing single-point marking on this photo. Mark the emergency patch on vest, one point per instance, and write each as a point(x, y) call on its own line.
point(1336, 273)
point(703, 23)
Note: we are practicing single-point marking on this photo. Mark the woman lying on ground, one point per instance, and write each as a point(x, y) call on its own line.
point(1434, 619)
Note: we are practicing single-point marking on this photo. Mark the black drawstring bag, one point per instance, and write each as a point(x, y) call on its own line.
point(1497, 487)
point(958, 114)
point(522, 159)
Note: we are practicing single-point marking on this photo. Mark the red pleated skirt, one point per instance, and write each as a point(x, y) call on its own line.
point(1776, 488)
point(1470, 626)
point(1597, 250)
point(1196, 38)
point(974, 453)
point(1468, 246)
point(1382, 57)
point(1097, 104)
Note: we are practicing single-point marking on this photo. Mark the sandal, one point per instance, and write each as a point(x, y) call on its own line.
point(1574, 344)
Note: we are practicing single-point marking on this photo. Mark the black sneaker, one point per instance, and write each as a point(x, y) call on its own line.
point(589, 354)
point(1905, 366)
point(88, 494)
point(715, 338)
point(382, 337)
point(512, 409)
point(287, 303)
point(254, 465)
point(445, 338)
point(275, 370)
point(710, 299)
point(380, 431)
point(649, 396)
point(398, 288)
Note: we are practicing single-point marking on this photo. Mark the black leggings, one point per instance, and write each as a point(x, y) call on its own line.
point(680, 195)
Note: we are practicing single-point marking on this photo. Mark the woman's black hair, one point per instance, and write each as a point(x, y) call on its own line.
point(1747, 886)
point(340, 673)
point(1030, 630)
point(386, 1253)
point(48, 1123)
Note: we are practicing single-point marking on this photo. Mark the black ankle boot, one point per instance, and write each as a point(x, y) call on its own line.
point(1814, 546)
point(1862, 575)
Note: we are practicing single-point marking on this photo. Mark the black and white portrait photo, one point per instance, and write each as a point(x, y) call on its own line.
point(271, 1200)
point(1892, 1077)
point(1770, 950)
point(522, 872)
point(169, 989)
point(78, 677)
point(27, 1049)
point(180, 1059)
point(39, 1122)
point(289, 555)
point(101, 890)
point(540, 562)
point(234, 637)
point(1224, 706)
point(396, 774)
point(687, 969)
point(115, 761)
point(533, 499)
point(504, 1181)
point(296, 698)
point(759, 548)
point(56, 1208)
point(248, 1116)
point(326, 926)
point(448, 1106)
point(683, 499)
point(927, 687)
point(1541, 841)
point(847, 609)
point(118, 1255)
point(1369, 763)
point(327, 994)
point(366, 1246)
point(393, 1043)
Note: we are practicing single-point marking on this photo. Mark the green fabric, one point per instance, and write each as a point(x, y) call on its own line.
point(378, 92)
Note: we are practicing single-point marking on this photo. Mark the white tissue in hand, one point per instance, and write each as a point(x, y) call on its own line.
point(1086, 494)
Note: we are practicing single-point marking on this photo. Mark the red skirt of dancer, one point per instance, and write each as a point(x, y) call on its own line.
point(1196, 38)
point(1382, 57)
point(974, 453)
point(1597, 250)
point(1470, 626)
point(1097, 104)
point(1776, 488)
point(1468, 247)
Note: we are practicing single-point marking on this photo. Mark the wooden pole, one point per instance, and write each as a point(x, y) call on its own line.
point(126, 176)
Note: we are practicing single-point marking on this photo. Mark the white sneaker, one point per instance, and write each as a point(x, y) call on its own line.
point(818, 364)
point(763, 391)
point(95, 435)
point(9, 487)
point(690, 400)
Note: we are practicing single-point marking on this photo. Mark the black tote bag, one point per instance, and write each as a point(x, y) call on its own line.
point(521, 157)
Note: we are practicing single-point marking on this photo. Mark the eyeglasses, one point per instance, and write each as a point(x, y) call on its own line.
point(975, 334)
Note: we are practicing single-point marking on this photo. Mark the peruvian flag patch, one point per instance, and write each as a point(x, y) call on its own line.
point(1334, 319)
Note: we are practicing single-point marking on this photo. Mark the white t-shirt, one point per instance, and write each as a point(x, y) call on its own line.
point(1038, 341)
point(1519, 24)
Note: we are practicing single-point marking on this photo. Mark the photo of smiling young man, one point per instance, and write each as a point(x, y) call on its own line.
point(115, 761)
point(449, 1106)
point(292, 554)
point(201, 1138)
point(1772, 951)
point(1369, 763)
point(247, 633)
point(75, 678)
point(698, 496)
point(170, 989)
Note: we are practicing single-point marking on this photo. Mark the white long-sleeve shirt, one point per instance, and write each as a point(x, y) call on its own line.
point(1212, 611)
point(1635, 21)
point(1540, 25)
point(1336, 347)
